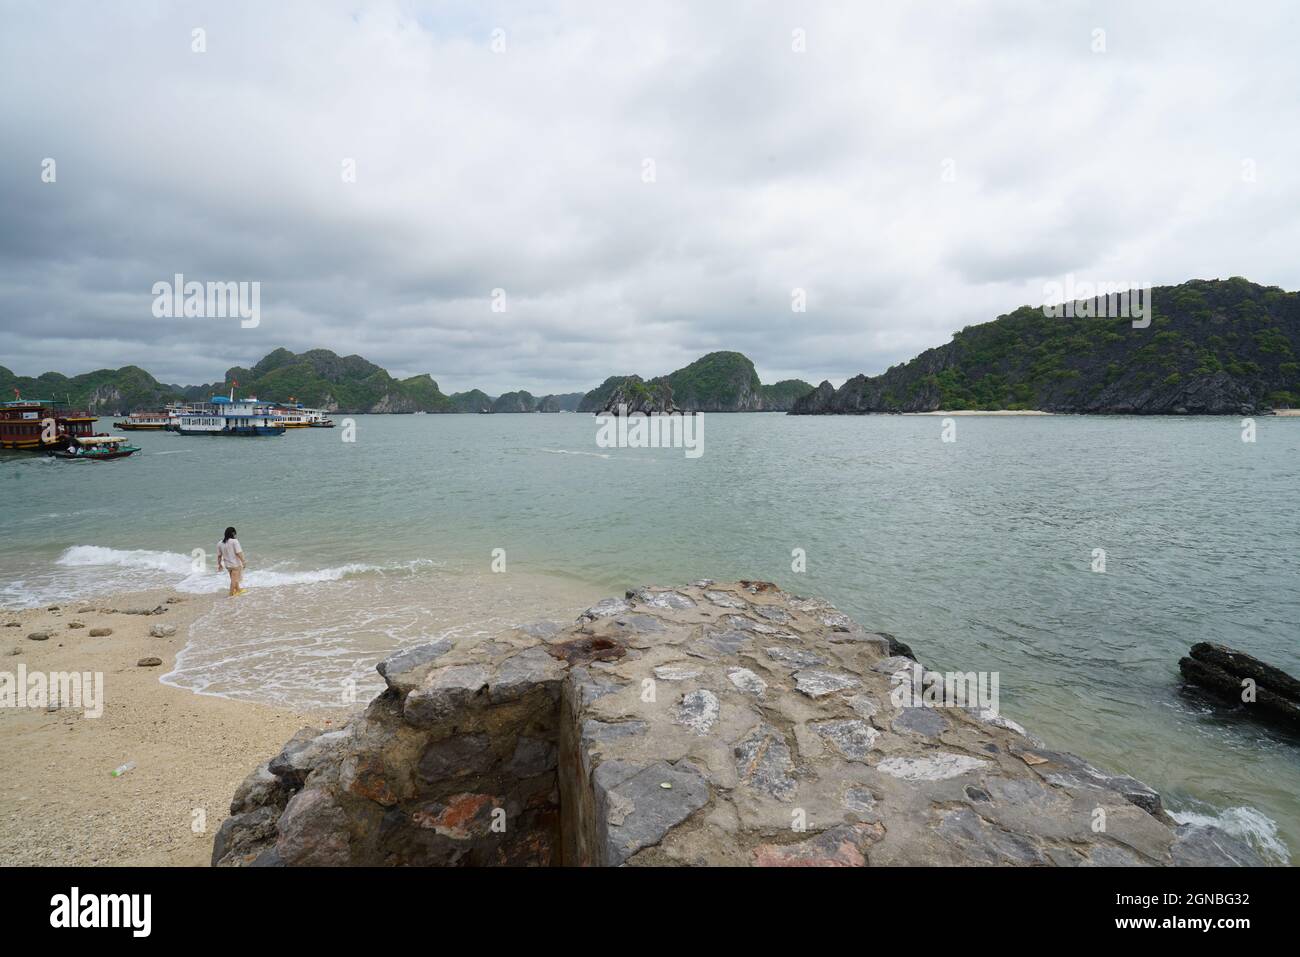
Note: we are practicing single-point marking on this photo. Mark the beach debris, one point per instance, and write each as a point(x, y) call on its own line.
point(13, 624)
point(39, 636)
point(88, 610)
point(162, 631)
point(100, 632)
point(76, 624)
point(144, 611)
point(149, 661)
point(52, 608)
point(121, 770)
point(175, 600)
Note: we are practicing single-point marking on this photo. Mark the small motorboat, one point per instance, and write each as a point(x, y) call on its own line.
point(96, 448)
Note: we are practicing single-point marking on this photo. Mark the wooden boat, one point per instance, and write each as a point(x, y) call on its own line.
point(96, 448)
point(41, 425)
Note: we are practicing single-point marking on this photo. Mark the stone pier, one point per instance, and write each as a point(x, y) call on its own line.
point(713, 724)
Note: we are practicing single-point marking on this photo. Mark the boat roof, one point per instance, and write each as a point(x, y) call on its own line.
point(100, 439)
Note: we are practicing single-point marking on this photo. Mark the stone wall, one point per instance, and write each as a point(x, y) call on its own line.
point(708, 725)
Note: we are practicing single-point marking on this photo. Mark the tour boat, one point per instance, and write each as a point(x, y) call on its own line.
point(318, 419)
point(40, 425)
point(96, 448)
point(226, 415)
point(144, 422)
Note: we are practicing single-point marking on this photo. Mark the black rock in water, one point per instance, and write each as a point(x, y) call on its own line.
point(1265, 692)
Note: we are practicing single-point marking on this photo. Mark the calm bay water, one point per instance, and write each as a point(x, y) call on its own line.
point(978, 553)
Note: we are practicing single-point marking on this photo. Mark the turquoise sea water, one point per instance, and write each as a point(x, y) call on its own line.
point(978, 553)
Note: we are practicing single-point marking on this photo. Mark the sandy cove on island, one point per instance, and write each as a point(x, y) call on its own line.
point(60, 803)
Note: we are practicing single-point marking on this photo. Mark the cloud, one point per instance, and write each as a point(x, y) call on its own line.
point(919, 168)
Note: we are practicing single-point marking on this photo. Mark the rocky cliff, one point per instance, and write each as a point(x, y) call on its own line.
point(717, 382)
point(1212, 347)
point(715, 724)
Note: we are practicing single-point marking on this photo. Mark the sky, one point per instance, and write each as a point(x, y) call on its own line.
point(637, 184)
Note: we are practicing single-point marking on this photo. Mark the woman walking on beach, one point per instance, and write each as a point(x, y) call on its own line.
point(231, 556)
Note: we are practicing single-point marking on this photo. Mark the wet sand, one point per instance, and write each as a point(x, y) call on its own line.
point(60, 804)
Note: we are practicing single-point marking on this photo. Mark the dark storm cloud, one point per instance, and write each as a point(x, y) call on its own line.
point(919, 168)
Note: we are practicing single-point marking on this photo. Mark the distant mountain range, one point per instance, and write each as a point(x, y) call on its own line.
point(721, 381)
point(1212, 347)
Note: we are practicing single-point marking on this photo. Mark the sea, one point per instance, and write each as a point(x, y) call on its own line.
point(1077, 557)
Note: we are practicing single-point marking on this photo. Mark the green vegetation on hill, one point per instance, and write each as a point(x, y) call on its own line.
point(717, 382)
point(108, 390)
point(781, 396)
point(322, 379)
point(1213, 346)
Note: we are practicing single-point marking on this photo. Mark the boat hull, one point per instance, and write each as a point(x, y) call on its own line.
point(245, 430)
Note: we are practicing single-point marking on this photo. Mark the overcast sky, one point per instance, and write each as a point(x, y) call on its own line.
point(917, 168)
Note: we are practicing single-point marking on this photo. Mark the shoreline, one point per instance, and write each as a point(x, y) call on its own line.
point(63, 806)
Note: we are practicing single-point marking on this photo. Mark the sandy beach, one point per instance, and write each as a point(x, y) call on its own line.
point(983, 412)
point(60, 804)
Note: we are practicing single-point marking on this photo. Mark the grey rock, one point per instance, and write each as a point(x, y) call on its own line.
point(161, 631)
point(405, 670)
point(982, 842)
point(698, 711)
point(747, 681)
point(39, 636)
point(1196, 845)
point(921, 720)
point(637, 811)
point(890, 666)
point(763, 762)
point(674, 673)
point(149, 661)
point(443, 692)
point(717, 644)
point(606, 608)
point(646, 624)
point(313, 831)
point(795, 657)
point(664, 599)
point(100, 632)
point(455, 757)
point(521, 673)
point(936, 766)
point(533, 756)
point(725, 600)
point(851, 737)
point(817, 684)
point(259, 789)
point(593, 730)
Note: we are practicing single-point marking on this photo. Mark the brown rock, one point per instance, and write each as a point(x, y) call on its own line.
point(151, 661)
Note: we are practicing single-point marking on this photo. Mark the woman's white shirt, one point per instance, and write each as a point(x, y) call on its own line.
point(231, 553)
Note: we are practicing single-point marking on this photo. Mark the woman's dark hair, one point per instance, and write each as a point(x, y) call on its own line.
point(230, 533)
